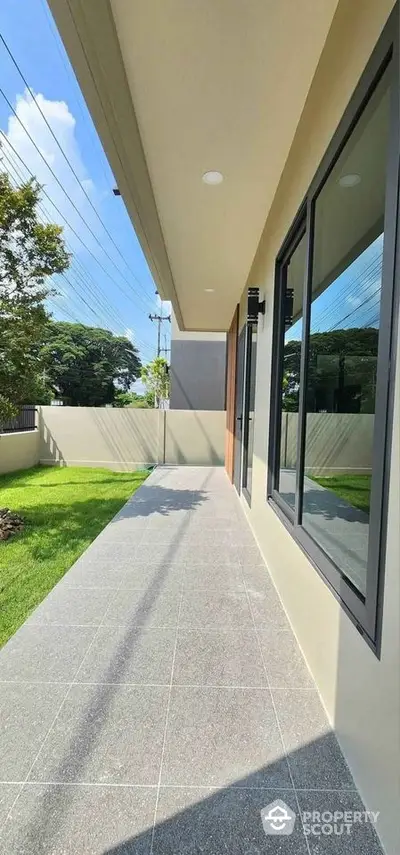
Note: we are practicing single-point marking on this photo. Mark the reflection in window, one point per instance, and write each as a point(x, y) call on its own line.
point(343, 344)
point(293, 282)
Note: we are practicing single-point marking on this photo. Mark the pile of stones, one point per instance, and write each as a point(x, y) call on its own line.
point(10, 523)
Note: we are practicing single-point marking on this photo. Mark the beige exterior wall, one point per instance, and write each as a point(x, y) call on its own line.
point(124, 439)
point(18, 450)
point(360, 691)
point(196, 437)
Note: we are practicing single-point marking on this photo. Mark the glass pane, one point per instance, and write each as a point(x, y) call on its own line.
point(343, 344)
point(293, 277)
point(251, 394)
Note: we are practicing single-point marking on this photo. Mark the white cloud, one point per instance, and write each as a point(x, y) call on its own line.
point(88, 185)
point(63, 125)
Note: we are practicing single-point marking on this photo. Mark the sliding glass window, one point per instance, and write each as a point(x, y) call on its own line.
point(334, 299)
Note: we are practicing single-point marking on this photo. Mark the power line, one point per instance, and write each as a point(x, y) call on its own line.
point(74, 232)
point(368, 276)
point(80, 296)
point(12, 166)
point(63, 311)
point(107, 308)
point(70, 77)
point(36, 147)
point(67, 160)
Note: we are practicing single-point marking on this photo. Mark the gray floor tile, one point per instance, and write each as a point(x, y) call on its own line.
point(26, 713)
point(217, 737)
point(216, 540)
point(106, 734)
point(125, 528)
point(68, 820)
point(158, 553)
point(126, 655)
point(228, 822)
point(111, 556)
point(215, 577)
point(250, 555)
point(283, 659)
point(170, 522)
point(211, 609)
point(257, 578)
point(8, 794)
point(66, 606)
point(168, 576)
point(267, 609)
point(219, 658)
point(359, 839)
point(207, 553)
point(313, 751)
point(225, 526)
point(219, 514)
point(149, 607)
point(45, 653)
point(88, 574)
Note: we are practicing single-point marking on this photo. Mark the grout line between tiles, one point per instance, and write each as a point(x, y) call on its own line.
point(278, 725)
point(166, 721)
point(205, 686)
point(217, 788)
point(187, 628)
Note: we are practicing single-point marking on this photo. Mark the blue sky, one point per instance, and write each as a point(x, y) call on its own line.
point(352, 300)
point(126, 288)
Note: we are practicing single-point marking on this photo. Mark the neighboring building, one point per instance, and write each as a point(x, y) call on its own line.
point(297, 105)
point(198, 370)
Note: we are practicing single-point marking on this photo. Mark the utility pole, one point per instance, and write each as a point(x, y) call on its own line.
point(165, 349)
point(159, 319)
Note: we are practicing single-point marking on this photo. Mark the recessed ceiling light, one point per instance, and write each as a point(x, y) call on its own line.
point(350, 180)
point(213, 177)
point(209, 290)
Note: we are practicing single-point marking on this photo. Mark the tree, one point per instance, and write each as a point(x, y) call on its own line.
point(88, 366)
point(155, 377)
point(341, 371)
point(130, 399)
point(30, 252)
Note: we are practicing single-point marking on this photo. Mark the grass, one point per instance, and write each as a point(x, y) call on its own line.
point(64, 510)
point(354, 489)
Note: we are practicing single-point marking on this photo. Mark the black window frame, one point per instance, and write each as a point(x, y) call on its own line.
point(366, 612)
point(250, 327)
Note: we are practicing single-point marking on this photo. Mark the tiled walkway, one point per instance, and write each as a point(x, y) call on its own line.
point(157, 700)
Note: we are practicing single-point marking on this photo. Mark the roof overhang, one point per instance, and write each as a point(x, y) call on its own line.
point(176, 88)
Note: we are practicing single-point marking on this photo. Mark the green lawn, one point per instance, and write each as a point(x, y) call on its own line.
point(64, 510)
point(354, 489)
